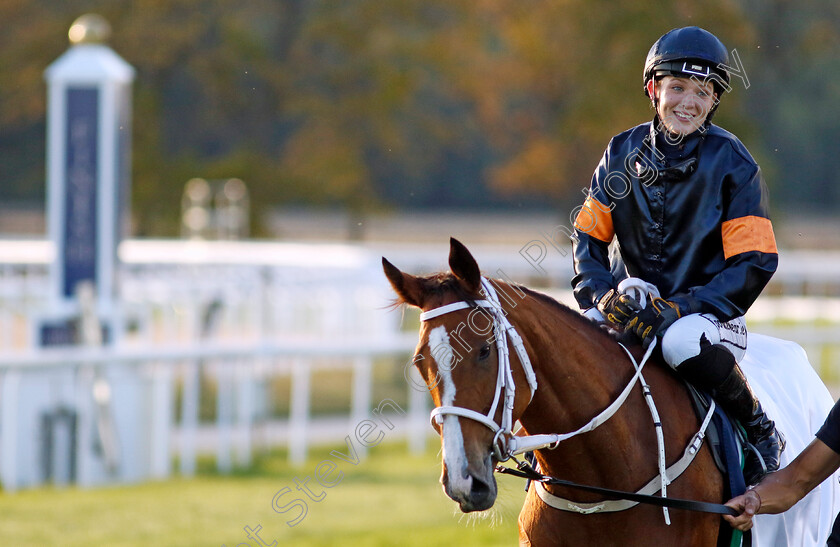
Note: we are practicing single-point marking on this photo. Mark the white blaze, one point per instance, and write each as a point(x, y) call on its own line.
point(453, 440)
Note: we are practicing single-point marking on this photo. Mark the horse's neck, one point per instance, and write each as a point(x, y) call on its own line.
point(580, 370)
point(575, 362)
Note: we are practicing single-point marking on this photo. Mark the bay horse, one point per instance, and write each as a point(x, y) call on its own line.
point(576, 370)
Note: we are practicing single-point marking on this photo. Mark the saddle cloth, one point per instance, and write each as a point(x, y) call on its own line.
point(794, 397)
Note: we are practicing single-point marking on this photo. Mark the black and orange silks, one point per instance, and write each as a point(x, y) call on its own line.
point(704, 238)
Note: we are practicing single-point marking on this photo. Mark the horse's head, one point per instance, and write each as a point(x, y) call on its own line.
point(458, 358)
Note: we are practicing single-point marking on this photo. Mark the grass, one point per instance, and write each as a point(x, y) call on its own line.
point(389, 499)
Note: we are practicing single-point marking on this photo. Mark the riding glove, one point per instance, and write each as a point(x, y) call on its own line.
point(618, 308)
point(654, 320)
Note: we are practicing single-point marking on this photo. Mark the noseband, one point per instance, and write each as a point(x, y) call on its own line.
point(505, 386)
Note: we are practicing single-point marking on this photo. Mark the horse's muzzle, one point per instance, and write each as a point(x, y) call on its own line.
point(472, 492)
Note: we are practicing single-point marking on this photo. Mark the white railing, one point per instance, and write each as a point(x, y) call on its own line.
point(150, 377)
point(238, 317)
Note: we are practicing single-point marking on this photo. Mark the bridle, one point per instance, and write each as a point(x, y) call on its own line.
point(506, 444)
point(505, 386)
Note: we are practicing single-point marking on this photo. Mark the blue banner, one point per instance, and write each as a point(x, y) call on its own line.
point(81, 170)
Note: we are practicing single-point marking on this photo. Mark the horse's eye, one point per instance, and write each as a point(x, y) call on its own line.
point(484, 352)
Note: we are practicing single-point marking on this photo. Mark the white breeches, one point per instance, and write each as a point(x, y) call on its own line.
point(682, 340)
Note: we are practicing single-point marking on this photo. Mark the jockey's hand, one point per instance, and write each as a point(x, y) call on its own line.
point(618, 308)
point(747, 504)
point(654, 320)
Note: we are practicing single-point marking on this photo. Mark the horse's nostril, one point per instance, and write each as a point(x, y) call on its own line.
point(480, 489)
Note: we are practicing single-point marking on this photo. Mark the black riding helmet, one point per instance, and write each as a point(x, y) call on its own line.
point(687, 52)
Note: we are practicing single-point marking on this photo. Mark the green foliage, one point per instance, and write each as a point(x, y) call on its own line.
point(367, 104)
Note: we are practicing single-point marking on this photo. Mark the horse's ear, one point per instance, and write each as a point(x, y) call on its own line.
point(407, 287)
point(464, 266)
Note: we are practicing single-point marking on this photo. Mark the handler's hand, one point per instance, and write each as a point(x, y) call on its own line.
point(747, 504)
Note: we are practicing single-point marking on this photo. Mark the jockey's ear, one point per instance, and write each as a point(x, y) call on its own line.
point(651, 89)
point(464, 266)
point(407, 287)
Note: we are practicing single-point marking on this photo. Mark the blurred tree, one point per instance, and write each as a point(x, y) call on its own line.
point(793, 60)
point(567, 77)
point(366, 104)
point(28, 44)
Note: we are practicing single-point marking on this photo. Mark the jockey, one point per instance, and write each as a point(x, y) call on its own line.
point(686, 205)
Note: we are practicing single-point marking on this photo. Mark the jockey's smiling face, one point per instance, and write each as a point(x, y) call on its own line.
point(684, 103)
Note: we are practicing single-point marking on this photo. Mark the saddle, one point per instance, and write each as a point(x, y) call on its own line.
point(725, 437)
point(727, 442)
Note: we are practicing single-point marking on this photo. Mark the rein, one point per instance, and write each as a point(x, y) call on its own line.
point(506, 445)
point(526, 471)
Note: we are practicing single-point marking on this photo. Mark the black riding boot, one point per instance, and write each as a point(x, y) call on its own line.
point(736, 398)
point(716, 371)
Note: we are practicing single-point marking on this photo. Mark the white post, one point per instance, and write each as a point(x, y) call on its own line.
point(362, 389)
point(244, 411)
point(189, 416)
point(299, 412)
point(88, 166)
point(224, 413)
point(85, 458)
point(9, 430)
point(418, 414)
point(190, 400)
point(161, 420)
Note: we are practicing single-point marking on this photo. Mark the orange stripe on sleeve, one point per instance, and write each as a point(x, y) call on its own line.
point(595, 219)
point(745, 234)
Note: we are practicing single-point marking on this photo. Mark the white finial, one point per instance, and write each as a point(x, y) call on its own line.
point(90, 28)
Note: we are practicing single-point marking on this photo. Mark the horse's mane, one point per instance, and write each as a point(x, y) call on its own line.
point(569, 312)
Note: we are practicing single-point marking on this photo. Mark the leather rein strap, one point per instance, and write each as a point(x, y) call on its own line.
point(525, 471)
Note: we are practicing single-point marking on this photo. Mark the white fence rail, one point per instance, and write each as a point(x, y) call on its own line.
point(143, 385)
point(201, 324)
